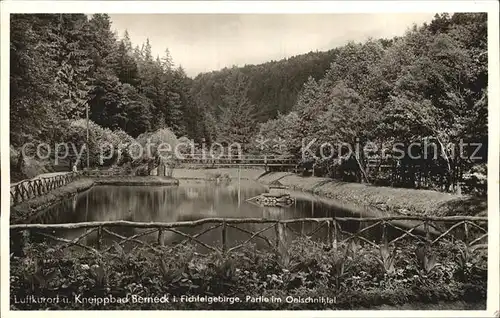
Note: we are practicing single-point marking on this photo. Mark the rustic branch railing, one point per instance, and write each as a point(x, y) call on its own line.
point(32, 188)
point(418, 231)
point(102, 173)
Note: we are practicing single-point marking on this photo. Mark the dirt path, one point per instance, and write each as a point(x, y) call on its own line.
point(456, 305)
point(400, 201)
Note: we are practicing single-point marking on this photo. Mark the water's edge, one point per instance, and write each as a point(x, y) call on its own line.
point(21, 213)
point(358, 198)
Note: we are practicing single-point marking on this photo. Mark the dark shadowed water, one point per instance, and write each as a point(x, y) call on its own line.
point(191, 200)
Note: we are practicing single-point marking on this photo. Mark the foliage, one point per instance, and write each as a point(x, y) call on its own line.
point(273, 86)
point(236, 114)
point(278, 136)
point(387, 259)
point(37, 58)
point(100, 140)
point(156, 138)
point(148, 150)
point(349, 274)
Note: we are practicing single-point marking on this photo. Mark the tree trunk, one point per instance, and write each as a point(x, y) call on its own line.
point(363, 172)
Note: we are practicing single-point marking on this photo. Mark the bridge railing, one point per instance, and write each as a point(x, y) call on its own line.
point(274, 234)
point(32, 188)
point(237, 159)
point(102, 173)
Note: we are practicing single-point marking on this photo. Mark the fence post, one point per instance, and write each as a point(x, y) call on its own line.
point(99, 237)
point(224, 237)
point(466, 234)
point(427, 234)
point(384, 233)
point(283, 232)
point(19, 240)
point(239, 185)
point(302, 231)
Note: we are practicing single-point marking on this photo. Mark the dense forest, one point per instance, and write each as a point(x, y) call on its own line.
point(429, 84)
point(60, 62)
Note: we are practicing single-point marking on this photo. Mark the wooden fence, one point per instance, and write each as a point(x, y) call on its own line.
point(32, 188)
point(273, 233)
point(236, 160)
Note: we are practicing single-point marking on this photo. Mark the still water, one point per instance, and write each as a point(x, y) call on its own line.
point(191, 200)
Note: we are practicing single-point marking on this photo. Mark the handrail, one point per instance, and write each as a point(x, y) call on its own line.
point(32, 188)
point(238, 156)
point(123, 223)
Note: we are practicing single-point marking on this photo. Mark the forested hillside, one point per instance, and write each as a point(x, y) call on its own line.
point(427, 87)
point(271, 88)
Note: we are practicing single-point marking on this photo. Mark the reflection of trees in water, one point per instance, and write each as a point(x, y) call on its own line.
point(192, 193)
point(63, 212)
point(144, 204)
point(188, 202)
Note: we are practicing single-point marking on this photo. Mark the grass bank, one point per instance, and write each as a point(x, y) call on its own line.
point(386, 199)
point(308, 275)
point(22, 211)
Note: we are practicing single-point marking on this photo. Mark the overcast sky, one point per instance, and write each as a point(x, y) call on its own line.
point(206, 42)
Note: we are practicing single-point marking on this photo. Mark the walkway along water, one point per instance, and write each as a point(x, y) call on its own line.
point(40, 185)
point(141, 219)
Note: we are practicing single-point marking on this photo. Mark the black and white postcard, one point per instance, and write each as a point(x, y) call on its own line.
point(319, 158)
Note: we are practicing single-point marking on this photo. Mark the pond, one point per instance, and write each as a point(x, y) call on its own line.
point(193, 200)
